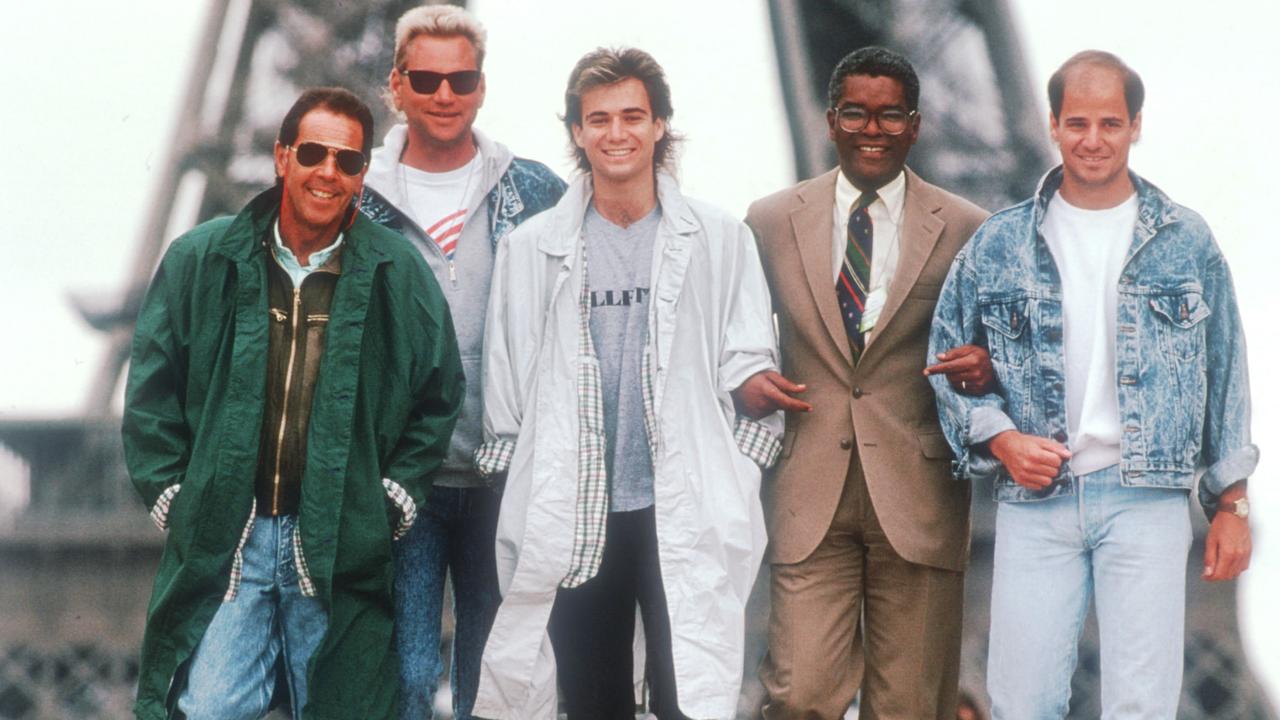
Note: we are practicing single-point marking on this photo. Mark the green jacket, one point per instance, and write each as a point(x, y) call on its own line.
point(389, 389)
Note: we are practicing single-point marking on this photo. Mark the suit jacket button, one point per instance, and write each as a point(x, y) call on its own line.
point(846, 444)
point(857, 393)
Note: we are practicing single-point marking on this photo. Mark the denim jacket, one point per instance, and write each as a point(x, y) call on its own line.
point(1181, 375)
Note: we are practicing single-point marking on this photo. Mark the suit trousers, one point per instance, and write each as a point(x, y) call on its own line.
point(856, 614)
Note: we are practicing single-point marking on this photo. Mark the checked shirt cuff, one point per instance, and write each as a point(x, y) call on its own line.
point(756, 442)
point(160, 511)
point(494, 457)
point(405, 504)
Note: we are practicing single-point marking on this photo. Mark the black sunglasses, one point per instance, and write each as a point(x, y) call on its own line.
point(310, 154)
point(426, 82)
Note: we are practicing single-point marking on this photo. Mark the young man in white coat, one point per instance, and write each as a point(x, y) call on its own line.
point(610, 389)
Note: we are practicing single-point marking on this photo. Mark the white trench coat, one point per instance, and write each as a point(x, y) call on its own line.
point(711, 325)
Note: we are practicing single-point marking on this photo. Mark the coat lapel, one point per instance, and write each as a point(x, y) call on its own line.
point(811, 227)
point(921, 228)
point(672, 252)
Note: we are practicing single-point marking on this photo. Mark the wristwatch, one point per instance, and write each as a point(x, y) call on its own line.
point(1239, 508)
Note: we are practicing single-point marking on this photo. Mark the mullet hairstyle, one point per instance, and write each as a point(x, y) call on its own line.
point(607, 66)
point(875, 61)
point(1134, 91)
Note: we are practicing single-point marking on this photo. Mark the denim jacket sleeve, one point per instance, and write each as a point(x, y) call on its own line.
point(966, 420)
point(1227, 453)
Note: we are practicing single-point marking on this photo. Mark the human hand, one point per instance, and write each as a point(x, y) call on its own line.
point(1229, 544)
point(766, 392)
point(1227, 547)
point(968, 369)
point(1032, 461)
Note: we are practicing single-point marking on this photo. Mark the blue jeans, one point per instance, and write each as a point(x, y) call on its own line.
point(1127, 547)
point(454, 535)
point(232, 672)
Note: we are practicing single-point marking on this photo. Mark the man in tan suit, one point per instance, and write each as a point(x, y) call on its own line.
point(869, 531)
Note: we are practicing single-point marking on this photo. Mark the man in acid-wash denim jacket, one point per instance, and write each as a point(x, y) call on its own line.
point(454, 193)
point(1175, 400)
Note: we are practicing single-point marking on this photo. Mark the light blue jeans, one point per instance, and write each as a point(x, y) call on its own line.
point(232, 673)
point(1125, 546)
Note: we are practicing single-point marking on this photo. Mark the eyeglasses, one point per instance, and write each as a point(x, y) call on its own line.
point(854, 119)
point(310, 154)
point(426, 82)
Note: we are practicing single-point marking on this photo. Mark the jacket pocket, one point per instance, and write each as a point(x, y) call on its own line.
point(925, 291)
point(933, 445)
point(1179, 317)
point(1006, 325)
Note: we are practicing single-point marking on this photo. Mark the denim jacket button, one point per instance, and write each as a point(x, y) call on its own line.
point(1060, 436)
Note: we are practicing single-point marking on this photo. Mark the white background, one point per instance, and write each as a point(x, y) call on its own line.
point(90, 92)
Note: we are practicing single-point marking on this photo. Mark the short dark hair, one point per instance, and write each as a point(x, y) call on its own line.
point(876, 62)
point(335, 99)
point(1134, 92)
point(606, 66)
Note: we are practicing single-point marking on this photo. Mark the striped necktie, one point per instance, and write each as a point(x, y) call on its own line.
point(855, 272)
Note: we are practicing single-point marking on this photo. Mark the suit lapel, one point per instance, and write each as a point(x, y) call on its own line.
point(921, 228)
point(811, 227)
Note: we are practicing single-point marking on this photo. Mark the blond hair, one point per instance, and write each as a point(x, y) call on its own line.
point(439, 21)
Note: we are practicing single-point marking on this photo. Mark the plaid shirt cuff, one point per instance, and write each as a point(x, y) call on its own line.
point(756, 442)
point(494, 457)
point(237, 560)
point(160, 511)
point(405, 504)
point(305, 584)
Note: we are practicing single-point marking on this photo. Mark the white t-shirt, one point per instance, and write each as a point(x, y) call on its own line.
point(438, 201)
point(1089, 247)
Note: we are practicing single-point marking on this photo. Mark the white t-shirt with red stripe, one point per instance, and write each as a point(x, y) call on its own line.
point(438, 201)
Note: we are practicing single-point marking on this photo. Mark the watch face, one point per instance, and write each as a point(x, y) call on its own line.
point(1242, 507)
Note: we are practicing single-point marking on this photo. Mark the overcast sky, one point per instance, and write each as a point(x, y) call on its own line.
point(91, 88)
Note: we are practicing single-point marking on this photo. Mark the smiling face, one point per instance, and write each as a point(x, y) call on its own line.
point(1093, 132)
point(618, 132)
point(870, 158)
point(316, 198)
point(439, 122)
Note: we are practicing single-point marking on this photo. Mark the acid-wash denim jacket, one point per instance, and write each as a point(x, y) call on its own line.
point(1181, 374)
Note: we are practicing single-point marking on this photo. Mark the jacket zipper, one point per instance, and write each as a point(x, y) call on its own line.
point(284, 411)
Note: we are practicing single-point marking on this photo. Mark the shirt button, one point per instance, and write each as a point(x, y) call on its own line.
point(857, 393)
point(846, 444)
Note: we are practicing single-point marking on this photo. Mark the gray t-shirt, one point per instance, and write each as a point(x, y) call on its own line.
point(618, 267)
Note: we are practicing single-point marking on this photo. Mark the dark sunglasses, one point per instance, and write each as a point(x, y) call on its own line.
point(310, 154)
point(426, 82)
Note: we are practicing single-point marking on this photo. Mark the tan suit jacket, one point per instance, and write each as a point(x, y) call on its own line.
point(881, 411)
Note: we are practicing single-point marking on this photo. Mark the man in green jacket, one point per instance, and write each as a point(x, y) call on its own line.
point(294, 380)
